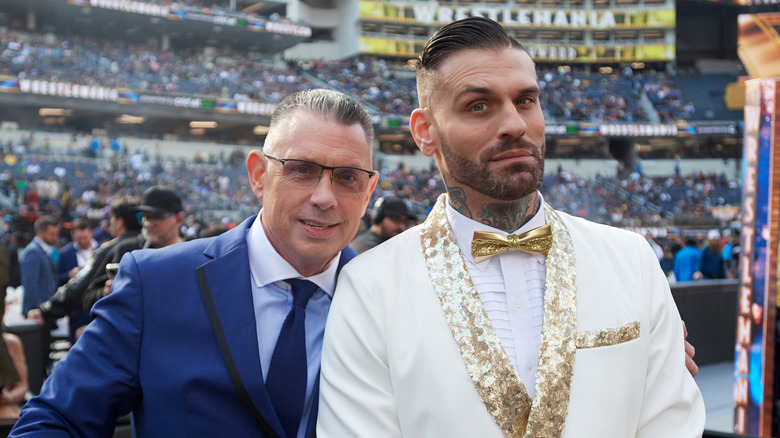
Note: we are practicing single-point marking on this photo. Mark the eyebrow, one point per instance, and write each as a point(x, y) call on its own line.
point(484, 90)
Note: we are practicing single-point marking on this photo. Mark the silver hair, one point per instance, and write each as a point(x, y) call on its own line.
point(328, 103)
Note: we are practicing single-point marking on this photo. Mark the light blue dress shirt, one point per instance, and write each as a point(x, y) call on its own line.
point(273, 300)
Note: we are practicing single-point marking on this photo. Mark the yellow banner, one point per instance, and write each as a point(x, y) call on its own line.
point(520, 17)
point(547, 53)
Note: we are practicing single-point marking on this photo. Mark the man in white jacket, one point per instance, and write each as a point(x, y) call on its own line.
point(506, 318)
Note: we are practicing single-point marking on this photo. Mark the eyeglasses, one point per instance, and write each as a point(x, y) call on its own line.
point(306, 174)
point(146, 218)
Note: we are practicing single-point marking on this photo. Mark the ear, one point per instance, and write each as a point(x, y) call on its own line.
point(370, 190)
point(423, 131)
point(255, 167)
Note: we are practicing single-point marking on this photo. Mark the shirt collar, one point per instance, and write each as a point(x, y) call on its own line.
point(45, 246)
point(463, 228)
point(268, 267)
point(92, 245)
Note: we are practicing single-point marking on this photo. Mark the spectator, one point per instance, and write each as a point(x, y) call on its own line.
point(38, 272)
point(13, 376)
point(711, 266)
point(667, 264)
point(161, 214)
point(73, 257)
point(392, 217)
point(686, 261)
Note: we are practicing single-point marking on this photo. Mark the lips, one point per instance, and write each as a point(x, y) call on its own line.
point(512, 156)
point(318, 229)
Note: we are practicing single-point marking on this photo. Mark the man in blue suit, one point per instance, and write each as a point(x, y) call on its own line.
point(38, 275)
point(187, 340)
point(74, 255)
point(72, 258)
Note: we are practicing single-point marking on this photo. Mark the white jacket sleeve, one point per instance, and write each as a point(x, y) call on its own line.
point(672, 404)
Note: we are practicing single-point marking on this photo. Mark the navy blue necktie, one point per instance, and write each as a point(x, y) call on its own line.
point(287, 373)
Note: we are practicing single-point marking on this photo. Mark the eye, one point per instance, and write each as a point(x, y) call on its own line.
point(478, 107)
point(526, 100)
point(348, 176)
point(299, 168)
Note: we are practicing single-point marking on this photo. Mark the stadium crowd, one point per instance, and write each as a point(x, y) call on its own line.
point(570, 94)
point(142, 68)
point(633, 201)
point(81, 182)
point(386, 86)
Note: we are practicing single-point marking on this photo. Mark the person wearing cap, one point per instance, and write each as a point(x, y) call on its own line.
point(221, 336)
point(161, 215)
point(392, 217)
point(711, 264)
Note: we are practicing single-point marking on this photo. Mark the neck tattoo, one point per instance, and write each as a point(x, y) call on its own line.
point(506, 216)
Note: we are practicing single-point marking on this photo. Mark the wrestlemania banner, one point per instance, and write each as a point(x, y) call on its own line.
point(754, 367)
point(523, 17)
point(433, 13)
point(411, 48)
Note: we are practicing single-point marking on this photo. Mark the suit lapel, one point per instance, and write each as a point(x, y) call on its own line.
point(227, 277)
point(235, 311)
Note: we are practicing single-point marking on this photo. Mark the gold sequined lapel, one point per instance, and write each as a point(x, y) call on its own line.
point(495, 380)
point(559, 333)
point(501, 390)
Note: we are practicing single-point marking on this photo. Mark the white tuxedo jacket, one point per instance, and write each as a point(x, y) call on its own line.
point(400, 359)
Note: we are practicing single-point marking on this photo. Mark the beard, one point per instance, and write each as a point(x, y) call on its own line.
point(511, 183)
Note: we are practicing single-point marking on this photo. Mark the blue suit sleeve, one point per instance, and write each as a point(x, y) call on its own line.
point(63, 267)
point(30, 266)
point(98, 380)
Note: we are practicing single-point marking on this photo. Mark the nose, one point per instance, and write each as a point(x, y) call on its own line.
point(323, 195)
point(512, 122)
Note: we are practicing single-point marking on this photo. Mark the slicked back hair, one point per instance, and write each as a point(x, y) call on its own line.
point(330, 104)
point(471, 33)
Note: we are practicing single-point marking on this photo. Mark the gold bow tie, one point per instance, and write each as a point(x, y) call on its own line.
point(485, 245)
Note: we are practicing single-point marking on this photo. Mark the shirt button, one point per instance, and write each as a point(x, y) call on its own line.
point(518, 304)
point(529, 366)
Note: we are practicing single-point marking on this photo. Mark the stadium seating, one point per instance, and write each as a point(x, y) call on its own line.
point(386, 86)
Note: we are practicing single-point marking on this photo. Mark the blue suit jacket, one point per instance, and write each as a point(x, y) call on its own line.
point(37, 276)
point(65, 262)
point(151, 350)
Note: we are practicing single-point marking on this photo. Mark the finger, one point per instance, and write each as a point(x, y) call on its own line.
point(691, 366)
point(685, 330)
point(690, 350)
